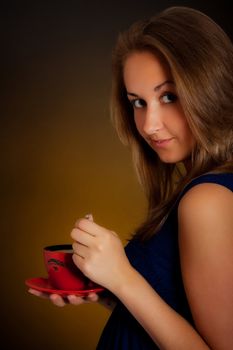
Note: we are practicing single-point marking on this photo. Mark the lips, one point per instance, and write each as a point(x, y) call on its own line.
point(161, 142)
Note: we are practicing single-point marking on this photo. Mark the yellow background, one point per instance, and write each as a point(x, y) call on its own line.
point(61, 158)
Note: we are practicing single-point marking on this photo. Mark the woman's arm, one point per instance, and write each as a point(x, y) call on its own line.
point(166, 327)
point(99, 254)
point(206, 250)
point(101, 257)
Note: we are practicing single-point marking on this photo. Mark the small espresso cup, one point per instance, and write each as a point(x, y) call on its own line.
point(62, 272)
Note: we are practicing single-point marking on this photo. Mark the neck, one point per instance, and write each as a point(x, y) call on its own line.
point(187, 164)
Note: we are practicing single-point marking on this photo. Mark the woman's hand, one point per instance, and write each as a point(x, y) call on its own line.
point(107, 301)
point(99, 254)
point(70, 299)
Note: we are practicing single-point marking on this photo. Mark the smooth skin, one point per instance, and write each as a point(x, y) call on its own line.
point(205, 218)
point(107, 301)
point(158, 115)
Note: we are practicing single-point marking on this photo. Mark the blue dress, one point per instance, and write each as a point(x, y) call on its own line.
point(158, 261)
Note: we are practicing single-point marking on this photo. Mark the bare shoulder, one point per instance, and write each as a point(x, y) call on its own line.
point(208, 202)
point(205, 219)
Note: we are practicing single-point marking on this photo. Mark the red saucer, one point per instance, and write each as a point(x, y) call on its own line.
point(43, 285)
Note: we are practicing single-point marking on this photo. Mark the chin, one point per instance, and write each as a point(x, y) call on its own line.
point(172, 159)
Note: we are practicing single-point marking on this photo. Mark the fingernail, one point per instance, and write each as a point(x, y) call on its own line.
point(89, 217)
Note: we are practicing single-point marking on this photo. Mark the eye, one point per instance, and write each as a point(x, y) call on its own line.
point(168, 97)
point(138, 103)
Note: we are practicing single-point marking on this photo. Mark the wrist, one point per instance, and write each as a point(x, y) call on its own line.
point(124, 280)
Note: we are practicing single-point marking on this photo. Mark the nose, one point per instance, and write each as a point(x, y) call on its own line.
point(153, 120)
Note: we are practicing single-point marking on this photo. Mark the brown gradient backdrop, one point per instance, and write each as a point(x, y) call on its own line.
point(61, 157)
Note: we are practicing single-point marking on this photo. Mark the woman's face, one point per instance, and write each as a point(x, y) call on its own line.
point(158, 115)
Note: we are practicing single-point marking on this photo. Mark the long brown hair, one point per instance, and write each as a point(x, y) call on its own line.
point(200, 56)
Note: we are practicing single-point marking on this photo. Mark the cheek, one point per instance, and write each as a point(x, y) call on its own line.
point(138, 123)
point(187, 132)
point(188, 137)
point(182, 127)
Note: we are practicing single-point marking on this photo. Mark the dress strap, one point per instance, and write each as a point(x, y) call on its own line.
point(224, 179)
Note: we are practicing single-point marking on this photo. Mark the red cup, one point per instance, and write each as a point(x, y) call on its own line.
point(62, 272)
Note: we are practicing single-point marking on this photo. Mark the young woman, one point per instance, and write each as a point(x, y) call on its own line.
point(172, 103)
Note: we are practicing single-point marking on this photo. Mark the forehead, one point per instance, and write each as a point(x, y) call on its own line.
point(145, 67)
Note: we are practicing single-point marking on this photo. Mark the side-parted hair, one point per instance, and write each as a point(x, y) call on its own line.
point(200, 57)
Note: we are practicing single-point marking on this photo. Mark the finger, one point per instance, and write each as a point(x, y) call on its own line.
point(57, 300)
point(89, 226)
point(78, 260)
point(114, 233)
point(89, 217)
point(80, 250)
point(93, 297)
point(82, 237)
point(92, 228)
point(37, 293)
point(75, 300)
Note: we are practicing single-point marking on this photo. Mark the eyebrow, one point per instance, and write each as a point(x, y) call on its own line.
point(156, 88)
